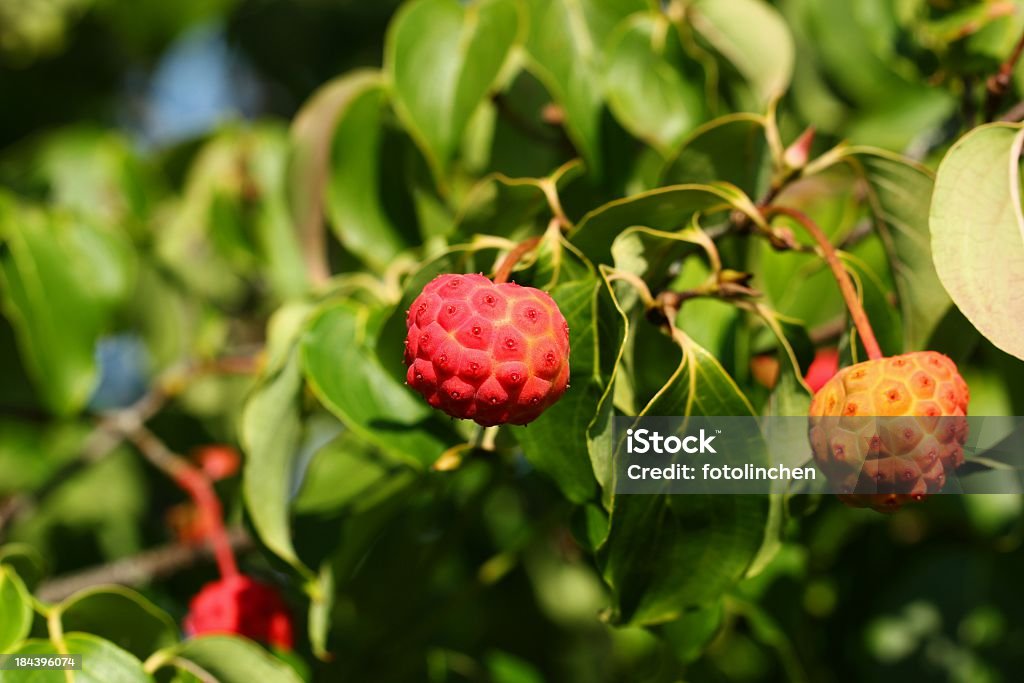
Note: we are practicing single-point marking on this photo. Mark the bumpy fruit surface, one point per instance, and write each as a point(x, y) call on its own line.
point(493, 353)
point(889, 431)
point(242, 605)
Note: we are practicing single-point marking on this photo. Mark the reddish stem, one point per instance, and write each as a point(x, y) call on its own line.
point(199, 488)
point(520, 250)
point(860, 318)
point(998, 84)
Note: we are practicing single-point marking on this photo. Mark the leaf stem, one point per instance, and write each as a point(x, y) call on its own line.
point(998, 84)
point(518, 252)
point(853, 304)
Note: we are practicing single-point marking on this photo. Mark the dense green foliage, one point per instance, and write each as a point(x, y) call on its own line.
point(639, 142)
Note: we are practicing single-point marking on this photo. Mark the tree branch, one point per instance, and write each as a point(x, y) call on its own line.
point(998, 84)
point(138, 570)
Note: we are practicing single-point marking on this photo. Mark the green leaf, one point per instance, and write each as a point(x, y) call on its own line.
point(102, 662)
point(229, 659)
point(442, 58)
point(646, 90)
point(233, 222)
point(497, 205)
point(899, 193)
point(691, 633)
point(731, 149)
point(96, 173)
point(709, 541)
point(26, 561)
point(339, 150)
point(15, 609)
point(565, 53)
point(348, 473)
point(340, 363)
point(266, 156)
point(271, 431)
point(612, 348)
point(61, 283)
point(753, 37)
point(122, 616)
point(852, 50)
point(978, 232)
point(556, 443)
point(667, 208)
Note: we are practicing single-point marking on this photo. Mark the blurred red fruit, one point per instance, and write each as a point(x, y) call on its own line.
point(241, 605)
point(218, 461)
point(823, 368)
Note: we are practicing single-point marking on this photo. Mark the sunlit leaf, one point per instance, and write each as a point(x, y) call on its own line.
point(978, 232)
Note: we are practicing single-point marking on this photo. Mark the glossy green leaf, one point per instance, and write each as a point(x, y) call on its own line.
point(61, 282)
point(978, 232)
point(731, 149)
point(102, 662)
point(667, 208)
point(497, 205)
point(340, 166)
point(122, 616)
point(228, 659)
point(271, 432)
point(15, 609)
point(708, 540)
point(899, 195)
point(443, 57)
point(564, 46)
point(322, 152)
point(646, 90)
point(599, 433)
point(753, 37)
point(341, 366)
point(348, 474)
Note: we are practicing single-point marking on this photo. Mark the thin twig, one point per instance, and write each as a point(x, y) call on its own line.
point(138, 570)
point(853, 304)
point(107, 434)
point(998, 84)
point(1014, 113)
point(100, 442)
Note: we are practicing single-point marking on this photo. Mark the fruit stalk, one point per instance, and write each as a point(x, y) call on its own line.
point(860, 318)
point(197, 485)
point(509, 263)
